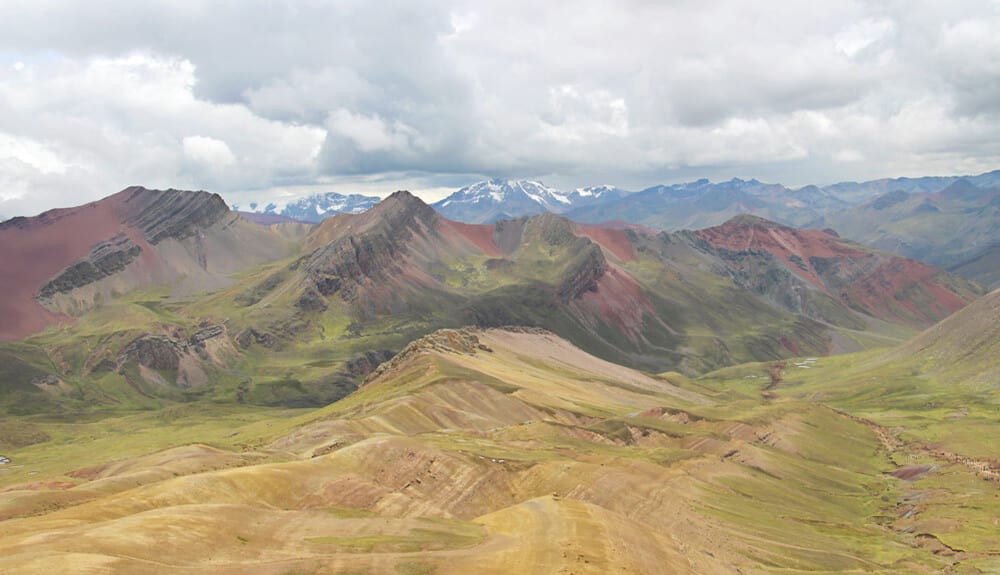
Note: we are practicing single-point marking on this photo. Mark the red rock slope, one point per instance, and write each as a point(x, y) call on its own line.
point(881, 285)
point(68, 259)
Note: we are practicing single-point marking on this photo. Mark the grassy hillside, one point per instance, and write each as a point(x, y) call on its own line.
point(513, 451)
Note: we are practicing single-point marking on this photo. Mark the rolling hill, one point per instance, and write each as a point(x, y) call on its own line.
point(498, 451)
point(943, 228)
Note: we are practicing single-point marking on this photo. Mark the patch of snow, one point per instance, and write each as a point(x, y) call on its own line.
point(535, 197)
point(559, 197)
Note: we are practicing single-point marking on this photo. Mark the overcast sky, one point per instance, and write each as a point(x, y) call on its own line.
point(259, 98)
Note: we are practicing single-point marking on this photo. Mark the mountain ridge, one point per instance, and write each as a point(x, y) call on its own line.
point(338, 294)
point(496, 199)
point(313, 208)
point(70, 257)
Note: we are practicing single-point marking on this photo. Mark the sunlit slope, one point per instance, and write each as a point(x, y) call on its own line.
point(489, 451)
point(934, 404)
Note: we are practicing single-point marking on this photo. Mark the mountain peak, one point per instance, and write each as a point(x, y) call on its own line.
point(314, 208)
point(491, 200)
point(751, 221)
point(497, 198)
point(400, 206)
point(402, 199)
point(178, 214)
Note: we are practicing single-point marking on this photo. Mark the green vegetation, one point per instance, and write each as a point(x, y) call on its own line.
point(456, 449)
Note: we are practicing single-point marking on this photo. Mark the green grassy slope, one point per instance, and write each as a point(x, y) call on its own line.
point(490, 451)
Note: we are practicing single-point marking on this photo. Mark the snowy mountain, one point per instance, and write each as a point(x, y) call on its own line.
point(314, 208)
point(593, 195)
point(497, 199)
point(702, 203)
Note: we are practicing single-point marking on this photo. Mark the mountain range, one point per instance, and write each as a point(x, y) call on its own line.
point(313, 208)
point(943, 221)
point(499, 199)
point(914, 217)
point(185, 388)
point(167, 295)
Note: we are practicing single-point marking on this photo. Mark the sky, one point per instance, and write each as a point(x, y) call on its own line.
point(261, 99)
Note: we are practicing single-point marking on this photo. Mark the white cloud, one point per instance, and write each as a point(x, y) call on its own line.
point(370, 133)
point(208, 151)
point(32, 153)
point(292, 94)
point(136, 120)
point(862, 36)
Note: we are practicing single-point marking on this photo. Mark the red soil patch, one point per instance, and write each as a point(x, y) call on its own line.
point(612, 240)
point(896, 289)
point(788, 344)
point(653, 412)
point(479, 235)
point(741, 235)
point(618, 301)
point(40, 486)
point(88, 473)
point(875, 290)
point(36, 249)
point(911, 472)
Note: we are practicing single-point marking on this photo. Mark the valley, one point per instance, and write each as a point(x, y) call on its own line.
point(396, 392)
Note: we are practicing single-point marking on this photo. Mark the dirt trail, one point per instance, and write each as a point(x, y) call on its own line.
point(984, 469)
point(776, 371)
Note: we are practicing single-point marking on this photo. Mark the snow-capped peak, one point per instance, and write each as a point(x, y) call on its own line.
point(499, 198)
point(597, 191)
point(316, 207)
point(499, 190)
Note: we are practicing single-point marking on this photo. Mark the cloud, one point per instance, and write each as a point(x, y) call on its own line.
point(370, 133)
point(253, 95)
point(208, 151)
point(135, 119)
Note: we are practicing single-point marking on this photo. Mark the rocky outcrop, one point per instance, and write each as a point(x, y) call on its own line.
point(104, 260)
point(371, 257)
point(162, 214)
point(583, 274)
point(462, 341)
point(365, 363)
point(154, 351)
point(206, 333)
point(249, 336)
